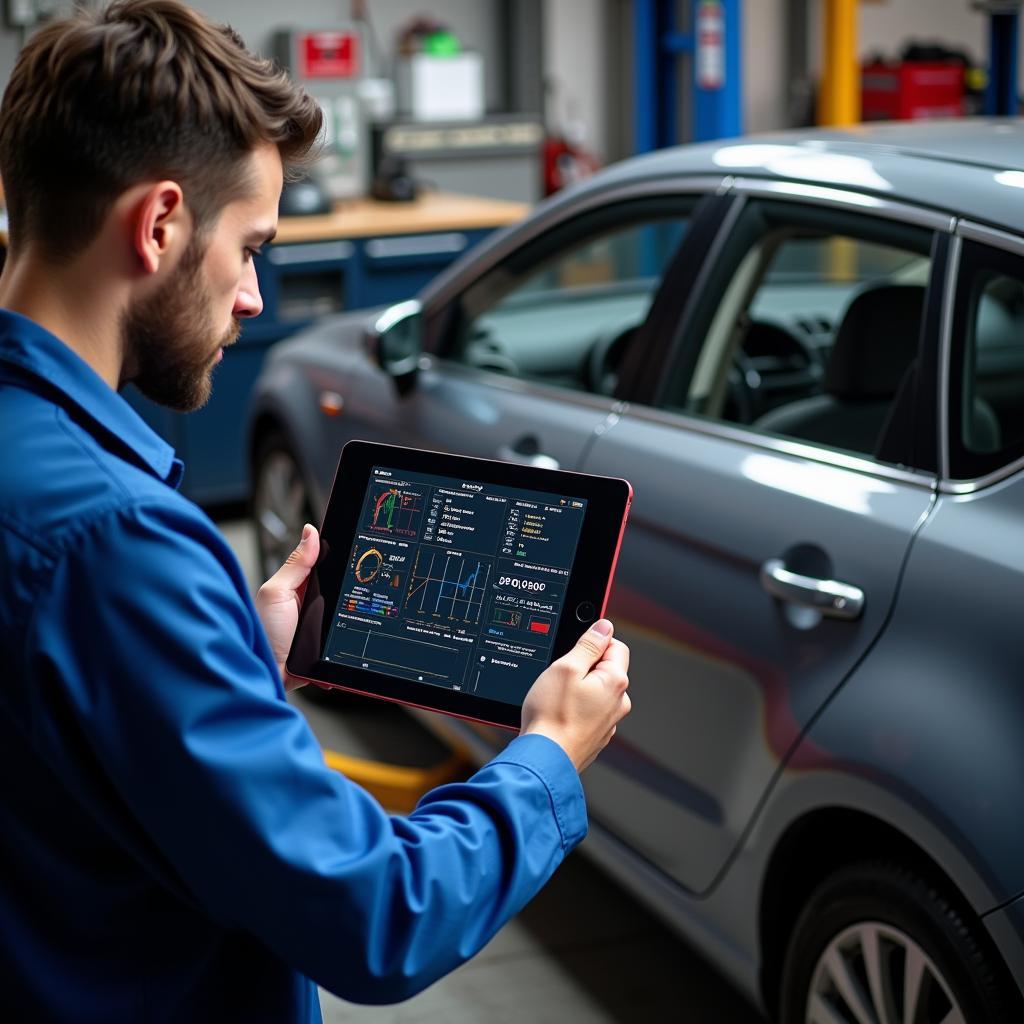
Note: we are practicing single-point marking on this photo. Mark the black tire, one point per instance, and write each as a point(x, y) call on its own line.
point(275, 542)
point(280, 502)
point(883, 907)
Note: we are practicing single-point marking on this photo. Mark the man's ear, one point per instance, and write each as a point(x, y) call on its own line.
point(161, 224)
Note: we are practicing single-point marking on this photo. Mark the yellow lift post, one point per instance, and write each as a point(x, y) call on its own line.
point(396, 787)
point(839, 98)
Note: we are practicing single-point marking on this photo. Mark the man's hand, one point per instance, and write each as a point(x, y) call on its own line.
point(279, 598)
point(578, 700)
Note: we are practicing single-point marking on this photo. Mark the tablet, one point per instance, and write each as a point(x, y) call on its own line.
point(450, 583)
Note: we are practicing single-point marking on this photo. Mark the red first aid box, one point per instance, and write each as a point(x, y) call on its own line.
point(893, 92)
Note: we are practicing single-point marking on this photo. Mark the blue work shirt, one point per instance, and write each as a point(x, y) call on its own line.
point(172, 845)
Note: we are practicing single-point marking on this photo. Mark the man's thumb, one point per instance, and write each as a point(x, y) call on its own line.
point(591, 646)
point(300, 561)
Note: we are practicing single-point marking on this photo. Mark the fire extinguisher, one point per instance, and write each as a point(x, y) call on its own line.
point(710, 45)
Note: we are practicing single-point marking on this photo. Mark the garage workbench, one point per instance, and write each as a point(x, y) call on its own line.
point(364, 253)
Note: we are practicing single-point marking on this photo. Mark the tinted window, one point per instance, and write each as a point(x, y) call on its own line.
point(986, 423)
point(809, 328)
point(563, 308)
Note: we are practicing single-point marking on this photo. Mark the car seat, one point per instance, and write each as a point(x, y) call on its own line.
point(873, 356)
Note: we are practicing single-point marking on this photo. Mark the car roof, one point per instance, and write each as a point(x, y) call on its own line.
point(971, 168)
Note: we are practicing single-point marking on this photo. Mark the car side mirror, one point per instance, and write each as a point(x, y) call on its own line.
point(395, 339)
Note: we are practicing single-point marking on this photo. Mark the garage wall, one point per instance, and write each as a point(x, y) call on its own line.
point(576, 75)
point(587, 50)
point(472, 21)
point(765, 77)
point(475, 23)
point(886, 26)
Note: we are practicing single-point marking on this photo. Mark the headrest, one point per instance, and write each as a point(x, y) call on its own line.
point(876, 342)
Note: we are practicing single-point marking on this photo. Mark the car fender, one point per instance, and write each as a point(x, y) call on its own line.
point(905, 742)
point(283, 395)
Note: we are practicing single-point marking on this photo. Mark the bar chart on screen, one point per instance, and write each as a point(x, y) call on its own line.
point(395, 511)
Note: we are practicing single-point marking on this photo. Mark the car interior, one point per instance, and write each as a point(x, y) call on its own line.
point(995, 382)
point(561, 311)
point(875, 343)
point(813, 336)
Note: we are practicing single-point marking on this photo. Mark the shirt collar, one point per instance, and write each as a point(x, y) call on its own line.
point(36, 352)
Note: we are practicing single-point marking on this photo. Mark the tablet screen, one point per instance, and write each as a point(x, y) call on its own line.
point(455, 583)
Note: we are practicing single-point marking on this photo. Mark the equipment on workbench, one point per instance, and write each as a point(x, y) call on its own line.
point(303, 198)
point(331, 64)
point(436, 78)
point(392, 180)
point(498, 157)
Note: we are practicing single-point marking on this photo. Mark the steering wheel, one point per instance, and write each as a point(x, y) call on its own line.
point(741, 385)
point(770, 357)
point(600, 370)
point(485, 352)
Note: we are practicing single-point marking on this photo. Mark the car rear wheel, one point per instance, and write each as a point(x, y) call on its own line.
point(280, 503)
point(877, 944)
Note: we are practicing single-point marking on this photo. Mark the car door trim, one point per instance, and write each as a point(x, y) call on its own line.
point(970, 231)
point(945, 352)
point(649, 387)
point(448, 284)
point(781, 446)
point(520, 385)
point(822, 195)
point(974, 232)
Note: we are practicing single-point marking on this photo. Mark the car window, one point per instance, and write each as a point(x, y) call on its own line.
point(987, 372)
point(563, 309)
point(809, 328)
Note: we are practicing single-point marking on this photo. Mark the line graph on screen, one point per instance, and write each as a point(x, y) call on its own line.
point(448, 585)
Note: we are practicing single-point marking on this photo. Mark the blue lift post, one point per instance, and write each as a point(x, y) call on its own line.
point(713, 45)
point(1003, 34)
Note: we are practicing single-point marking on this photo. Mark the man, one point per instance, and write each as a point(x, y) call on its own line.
point(172, 846)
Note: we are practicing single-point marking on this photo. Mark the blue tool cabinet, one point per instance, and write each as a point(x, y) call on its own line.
point(300, 282)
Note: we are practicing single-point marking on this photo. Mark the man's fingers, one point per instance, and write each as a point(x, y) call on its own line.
point(611, 675)
point(617, 653)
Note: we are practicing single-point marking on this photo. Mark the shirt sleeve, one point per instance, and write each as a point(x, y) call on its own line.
point(155, 680)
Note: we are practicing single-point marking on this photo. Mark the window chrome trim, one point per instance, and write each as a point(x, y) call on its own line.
point(824, 195)
point(446, 285)
point(972, 232)
point(521, 385)
point(981, 482)
point(946, 351)
point(781, 446)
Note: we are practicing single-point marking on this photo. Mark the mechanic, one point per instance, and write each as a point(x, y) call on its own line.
point(172, 845)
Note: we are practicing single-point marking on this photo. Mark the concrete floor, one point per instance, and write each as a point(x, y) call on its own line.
point(583, 952)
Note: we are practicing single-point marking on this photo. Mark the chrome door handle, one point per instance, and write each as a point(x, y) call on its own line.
point(539, 460)
point(830, 597)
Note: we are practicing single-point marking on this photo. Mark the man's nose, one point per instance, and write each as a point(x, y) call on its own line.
point(248, 301)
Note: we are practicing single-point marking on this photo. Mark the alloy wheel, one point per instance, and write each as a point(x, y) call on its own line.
point(873, 973)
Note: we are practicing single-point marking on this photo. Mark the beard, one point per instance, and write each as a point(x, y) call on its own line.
point(170, 339)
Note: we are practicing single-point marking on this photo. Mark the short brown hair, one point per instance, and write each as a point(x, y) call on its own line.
point(139, 90)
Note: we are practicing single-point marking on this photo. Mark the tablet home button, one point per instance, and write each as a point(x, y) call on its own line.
point(585, 611)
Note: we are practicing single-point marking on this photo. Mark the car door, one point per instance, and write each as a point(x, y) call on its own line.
point(763, 553)
point(525, 356)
